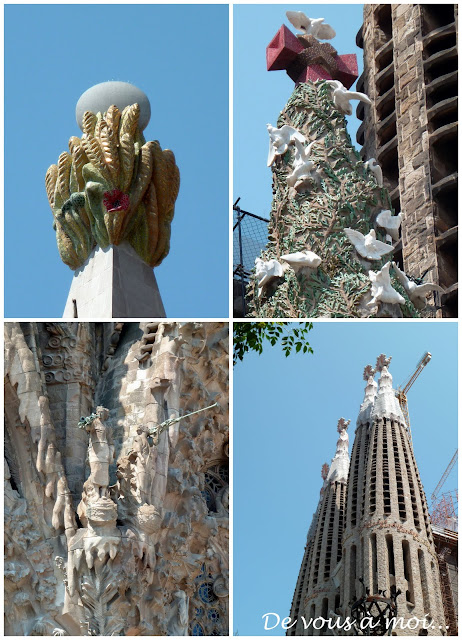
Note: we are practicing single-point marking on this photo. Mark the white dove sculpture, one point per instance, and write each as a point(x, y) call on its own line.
point(266, 271)
point(310, 26)
point(368, 246)
point(342, 97)
point(301, 259)
point(390, 223)
point(416, 292)
point(373, 166)
point(280, 140)
point(302, 165)
point(381, 289)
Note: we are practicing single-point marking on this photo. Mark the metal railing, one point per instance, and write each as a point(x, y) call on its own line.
point(250, 235)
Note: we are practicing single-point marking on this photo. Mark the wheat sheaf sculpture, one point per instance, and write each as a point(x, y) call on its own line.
point(112, 187)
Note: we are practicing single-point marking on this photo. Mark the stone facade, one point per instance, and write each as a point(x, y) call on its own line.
point(119, 527)
point(410, 75)
point(387, 539)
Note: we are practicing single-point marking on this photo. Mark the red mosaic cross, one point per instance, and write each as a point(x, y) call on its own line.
point(305, 58)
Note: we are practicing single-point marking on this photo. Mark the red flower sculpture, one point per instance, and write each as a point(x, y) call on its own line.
point(116, 201)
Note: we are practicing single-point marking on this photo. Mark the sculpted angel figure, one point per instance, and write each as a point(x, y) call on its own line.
point(100, 451)
point(140, 455)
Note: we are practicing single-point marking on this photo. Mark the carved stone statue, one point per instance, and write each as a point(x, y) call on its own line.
point(144, 472)
point(100, 451)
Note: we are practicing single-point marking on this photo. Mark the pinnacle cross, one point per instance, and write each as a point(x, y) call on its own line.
point(305, 58)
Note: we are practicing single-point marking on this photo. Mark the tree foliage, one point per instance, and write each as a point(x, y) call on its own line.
point(250, 336)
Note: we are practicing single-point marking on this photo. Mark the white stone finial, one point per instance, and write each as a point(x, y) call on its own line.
point(369, 372)
point(342, 97)
point(416, 292)
point(310, 26)
point(367, 245)
point(100, 97)
point(341, 461)
point(386, 403)
point(382, 362)
point(370, 393)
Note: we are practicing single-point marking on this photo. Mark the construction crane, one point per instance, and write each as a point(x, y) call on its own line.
point(445, 475)
point(444, 507)
point(403, 389)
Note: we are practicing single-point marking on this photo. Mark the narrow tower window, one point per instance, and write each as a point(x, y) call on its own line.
point(391, 559)
point(424, 580)
point(408, 572)
point(353, 573)
point(375, 577)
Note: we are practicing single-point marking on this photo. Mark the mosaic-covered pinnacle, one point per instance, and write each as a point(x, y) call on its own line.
point(113, 187)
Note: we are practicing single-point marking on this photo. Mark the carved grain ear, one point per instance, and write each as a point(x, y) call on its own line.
point(94, 194)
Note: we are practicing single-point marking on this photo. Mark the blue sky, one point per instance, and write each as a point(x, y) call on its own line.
point(285, 417)
point(178, 55)
point(260, 95)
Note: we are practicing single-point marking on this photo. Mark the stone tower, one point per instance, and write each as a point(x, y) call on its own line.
point(410, 127)
point(317, 592)
point(388, 538)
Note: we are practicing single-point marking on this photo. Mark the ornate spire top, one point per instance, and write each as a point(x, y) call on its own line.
point(369, 372)
point(113, 186)
point(369, 394)
point(324, 471)
point(341, 461)
point(386, 404)
point(382, 361)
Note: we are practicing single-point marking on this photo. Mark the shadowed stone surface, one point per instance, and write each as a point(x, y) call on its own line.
point(114, 283)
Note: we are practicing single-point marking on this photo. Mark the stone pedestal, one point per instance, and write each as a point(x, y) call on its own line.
point(114, 283)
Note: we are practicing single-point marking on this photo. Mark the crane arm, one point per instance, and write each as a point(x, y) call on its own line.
point(425, 359)
point(445, 475)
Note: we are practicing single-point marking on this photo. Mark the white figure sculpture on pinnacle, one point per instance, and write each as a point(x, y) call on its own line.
point(381, 289)
point(266, 271)
point(368, 246)
point(280, 140)
point(416, 292)
point(302, 165)
point(373, 166)
point(310, 26)
point(390, 223)
point(342, 97)
point(302, 259)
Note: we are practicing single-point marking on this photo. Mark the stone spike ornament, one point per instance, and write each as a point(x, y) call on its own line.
point(339, 195)
point(111, 187)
